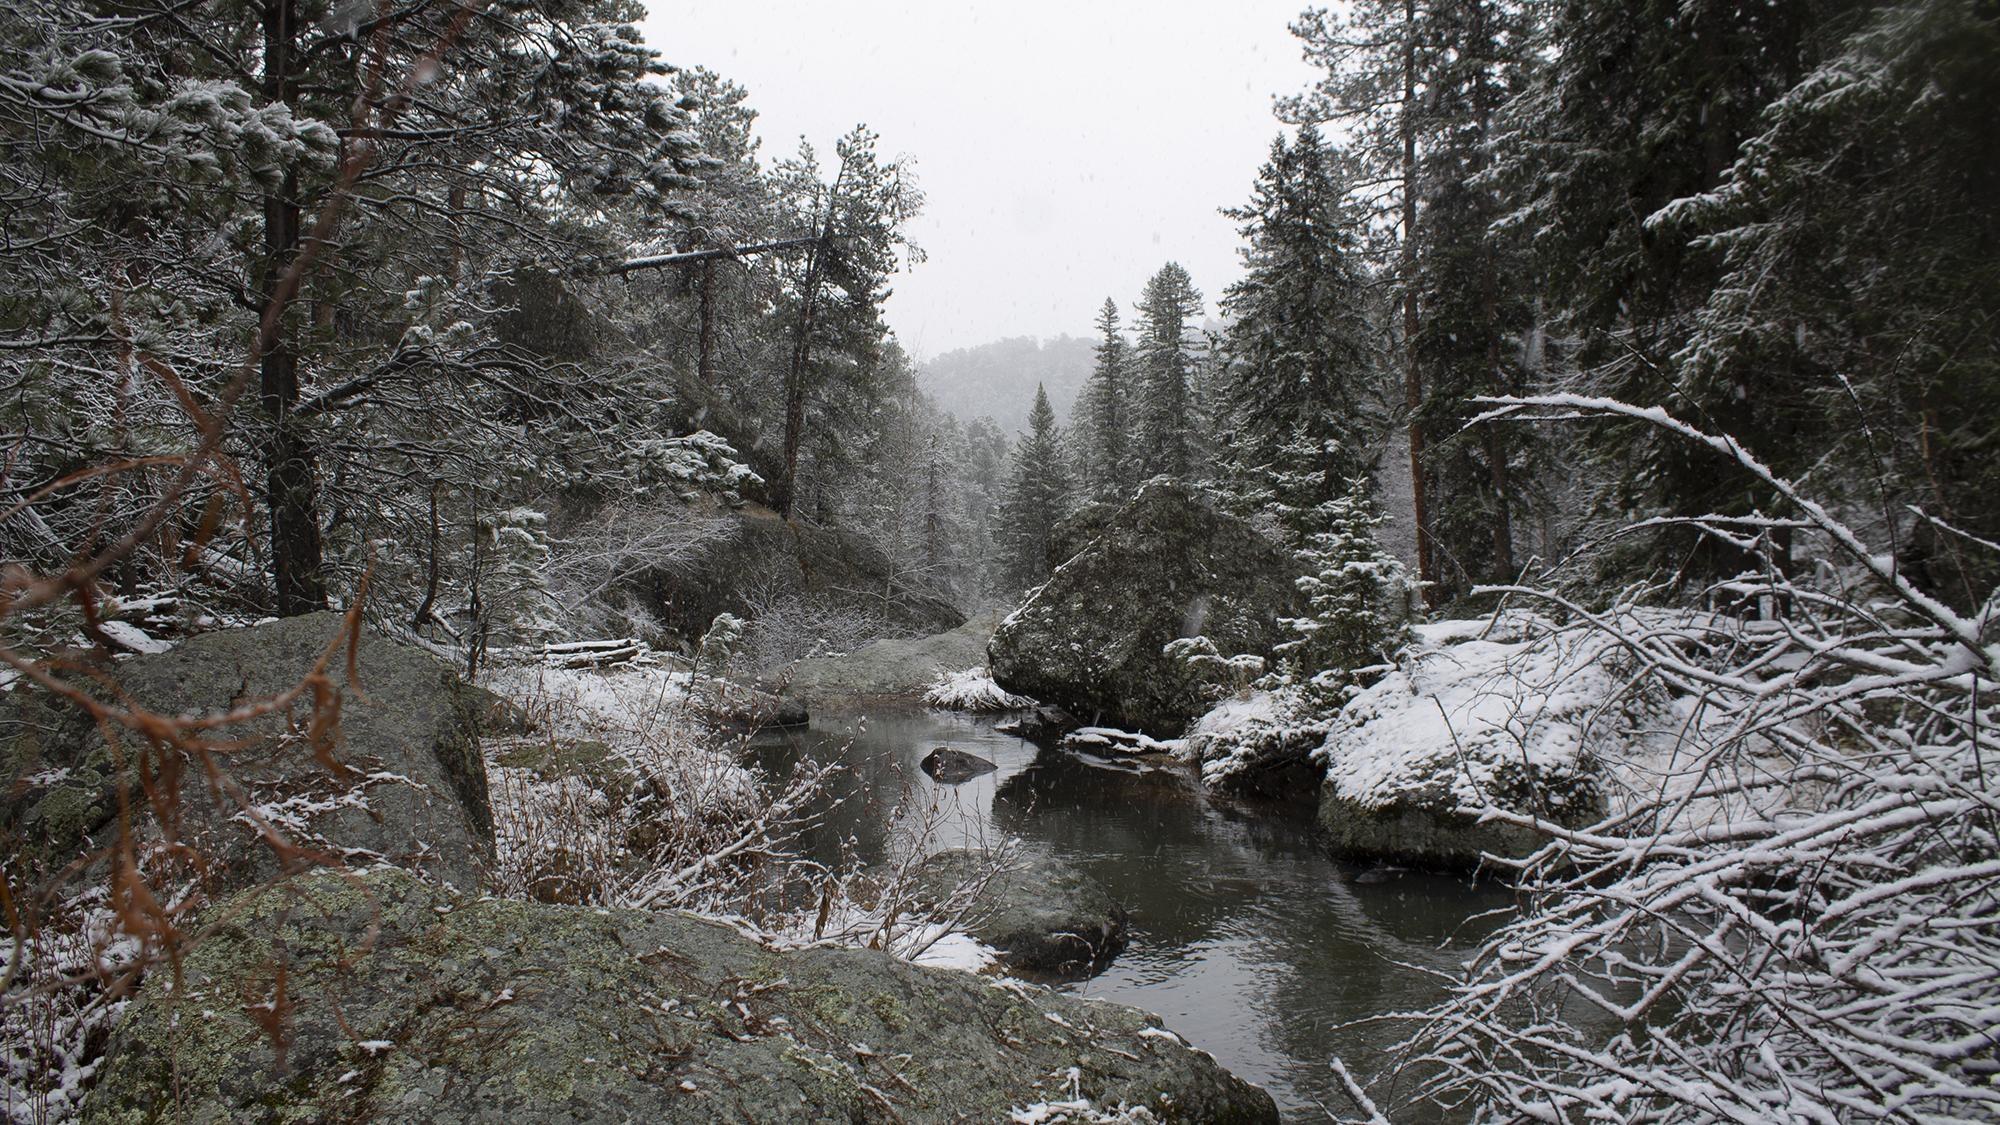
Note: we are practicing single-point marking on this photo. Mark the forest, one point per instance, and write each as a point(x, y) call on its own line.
point(445, 456)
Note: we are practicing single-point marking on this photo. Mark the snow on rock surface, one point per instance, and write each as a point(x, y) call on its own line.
point(1261, 743)
point(973, 690)
point(1517, 713)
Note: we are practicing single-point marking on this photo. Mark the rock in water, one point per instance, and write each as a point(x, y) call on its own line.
point(1042, 914)
point(952, 767)
point(1043, 726)
point(1168, 565)
point(414, 790)
point(403, 1004)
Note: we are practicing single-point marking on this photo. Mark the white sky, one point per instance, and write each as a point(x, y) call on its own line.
point(1067, 149)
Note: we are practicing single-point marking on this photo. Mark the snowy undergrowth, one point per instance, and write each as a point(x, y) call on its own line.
point(58, 1012)
point(973, 690)
point(621, 793)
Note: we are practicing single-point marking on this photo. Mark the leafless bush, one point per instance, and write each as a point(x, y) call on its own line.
point(587, 566)
point(65, 1005)
point(785, 628)
point(1799, 920)
point(625, 797)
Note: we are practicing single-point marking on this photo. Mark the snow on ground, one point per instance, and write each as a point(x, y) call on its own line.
point(1506, 710)
point(973, 690)
point(564, 829)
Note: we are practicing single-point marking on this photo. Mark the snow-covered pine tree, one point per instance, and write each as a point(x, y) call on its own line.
point(1358, 598)
point(1474, 289)
point(1860, 241)
point(1103, 423)
point(831, 304)
point(1376, 58)
point(1038, 494)
point(1165, 423)
point(1299, 391)
point(1628, 107)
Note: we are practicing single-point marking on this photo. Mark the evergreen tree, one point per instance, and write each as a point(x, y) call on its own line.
point(1631, 107)
point(1297, 393)
point(1377, 60)
point(1167, 441)
point(1476, 310)
point(1859, 234)
point(1038, 495)
point(1358, 599)
point(1103, 414)
point(832, 305)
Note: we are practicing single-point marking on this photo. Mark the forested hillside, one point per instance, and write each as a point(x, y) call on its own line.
point(998, 380)
point(1589, 480)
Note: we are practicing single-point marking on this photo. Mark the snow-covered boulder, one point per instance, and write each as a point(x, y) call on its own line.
point(1262, 744)
point(972, 689)
point(1520, 717)
point(1169, 565)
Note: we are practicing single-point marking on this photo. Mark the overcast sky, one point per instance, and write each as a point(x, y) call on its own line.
point(1068, 149)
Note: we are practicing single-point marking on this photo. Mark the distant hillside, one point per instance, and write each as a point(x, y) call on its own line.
point(998, 380)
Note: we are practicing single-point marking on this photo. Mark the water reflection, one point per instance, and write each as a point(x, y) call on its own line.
point(1246, 938)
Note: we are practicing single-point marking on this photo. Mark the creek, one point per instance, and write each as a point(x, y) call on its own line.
point(1246, 938)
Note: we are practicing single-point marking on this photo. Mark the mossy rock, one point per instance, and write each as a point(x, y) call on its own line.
point(402, 1003)
point(1421, 829)
point(411, 788)
point(1045, 916)
point(1167, 565)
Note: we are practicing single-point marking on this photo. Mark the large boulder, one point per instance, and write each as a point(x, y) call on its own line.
point(894, 667)
point(1043, 915)
point(399, 1003)
point(408, 785)
point(762, 556)
point(1168, 565)
point(1476, 716)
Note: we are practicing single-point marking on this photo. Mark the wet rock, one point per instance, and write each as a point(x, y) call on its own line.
point(1076, 531)
point(761, 554)
point(952, 767)
point(904, 668)
point(1168, 565)
point(1417, 829)
point(404, 1004)
point(1043, 726)
point(409, 787)
point(1043, 914)
point(1382, 873)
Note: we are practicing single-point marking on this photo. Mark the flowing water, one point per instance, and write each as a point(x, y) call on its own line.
point(1245, 937)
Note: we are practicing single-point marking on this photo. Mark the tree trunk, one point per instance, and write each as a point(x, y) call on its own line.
point(785, 491)
point(290, 487)
point(705, 367)
point(1489, 299)
point(1413, 379)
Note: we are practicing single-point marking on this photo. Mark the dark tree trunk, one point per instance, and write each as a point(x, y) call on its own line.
point(706, 366)
point(1413, 379)
point(291, 491)
point(785, 491)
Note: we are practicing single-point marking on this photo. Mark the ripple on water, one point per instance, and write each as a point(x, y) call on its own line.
point(1246, 939)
